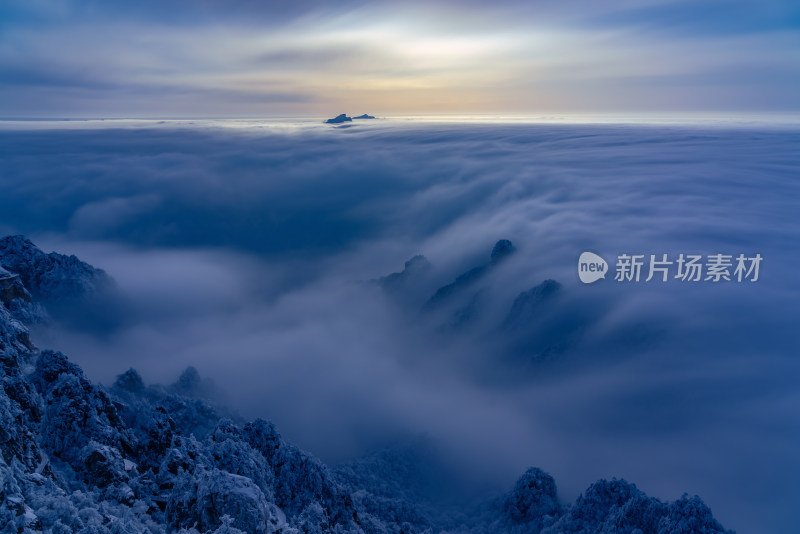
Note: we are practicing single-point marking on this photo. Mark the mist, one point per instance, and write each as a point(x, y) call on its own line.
point(252, 253)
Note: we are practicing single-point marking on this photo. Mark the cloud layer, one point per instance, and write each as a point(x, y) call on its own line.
point(244, 251)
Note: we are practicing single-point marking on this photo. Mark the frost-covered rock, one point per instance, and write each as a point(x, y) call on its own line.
point(533, 500)
point(76, 411)
point(202, 500)
point(618, 507)
point(104, 465)
point(400, 488)
point(13, 510)
point(21, 405)
point(227, 527)
point(62, 287)
point(15, 342)
point(50, 276)
point(229, 451)
point(18, 301)
point(131, 382)
point(17, 440)
point(689, 515)
point(156, 413)
point(299, 477)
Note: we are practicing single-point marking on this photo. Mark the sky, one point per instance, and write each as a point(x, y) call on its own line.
point(243, 58)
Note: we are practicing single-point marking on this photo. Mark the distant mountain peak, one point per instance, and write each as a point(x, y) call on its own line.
point(342, 117)
point(417, 266)
point(528, 303)
point(501, 250)
point(130, 381)
point(338, 119)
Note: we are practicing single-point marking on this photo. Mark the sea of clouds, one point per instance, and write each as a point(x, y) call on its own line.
point(246, 249)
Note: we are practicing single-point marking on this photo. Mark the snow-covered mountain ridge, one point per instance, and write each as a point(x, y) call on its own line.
point(78, 457)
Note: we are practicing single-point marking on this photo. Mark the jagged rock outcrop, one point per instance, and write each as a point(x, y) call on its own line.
point(617, 506)
point(400, 487)
point(56, 287)
point(500, 252)
point(533, 501)
point(339, 119)
point(18, 301)
point(300, 479)
point(191, 385)
point(413, 270)
point(203, 501)
point(50, 276)
point(11, 288)
point(130, 381)
point(342, 118)
point(78, 417)
point(527, 305)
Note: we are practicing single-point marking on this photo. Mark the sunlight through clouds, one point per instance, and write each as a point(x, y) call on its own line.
point(445, 57)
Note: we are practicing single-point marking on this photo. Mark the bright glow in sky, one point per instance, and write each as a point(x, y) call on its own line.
point(176, 58)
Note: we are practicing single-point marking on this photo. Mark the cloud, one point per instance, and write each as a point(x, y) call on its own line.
point(110, 213)
point(209, 59)
point(242, 249)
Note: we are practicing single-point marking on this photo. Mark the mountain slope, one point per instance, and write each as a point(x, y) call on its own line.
point(77, 457)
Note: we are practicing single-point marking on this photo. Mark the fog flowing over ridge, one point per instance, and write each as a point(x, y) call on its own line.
point(256, 255)
point(76, 456)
